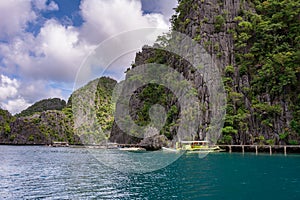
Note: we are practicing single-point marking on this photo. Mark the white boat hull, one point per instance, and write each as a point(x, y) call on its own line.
point(170, 149)
point(196, 150)
point(133, 149)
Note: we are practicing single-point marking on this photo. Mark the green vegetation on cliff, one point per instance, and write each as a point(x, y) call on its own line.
point(5, 120)
point(43, 105)
point(92, 110)
point(156, 94)
point(267, 43)
point(256, 45)
point(104, 104)
point(52, 120)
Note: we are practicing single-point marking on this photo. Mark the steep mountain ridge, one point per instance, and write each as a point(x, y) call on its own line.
point(43, 105)
point(256, 47)
point(52, 120)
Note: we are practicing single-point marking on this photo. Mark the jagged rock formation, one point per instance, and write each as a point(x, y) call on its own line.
point(256, 47)
point(46, 122)
point(92, 109)
point(152, 139)
point(40, 128)
point(43, 105)
point(5, 120)
point(154, 142)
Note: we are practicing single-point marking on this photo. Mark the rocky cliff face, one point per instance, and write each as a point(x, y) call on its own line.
point(210, 22)
point(40, 128)
point(92, 109)
point(52, 120)
point(43, 105)
point(237, 36)
point(255, 45)
point(5, 120)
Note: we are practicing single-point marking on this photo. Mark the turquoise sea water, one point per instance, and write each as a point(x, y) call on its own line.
point(28, 172)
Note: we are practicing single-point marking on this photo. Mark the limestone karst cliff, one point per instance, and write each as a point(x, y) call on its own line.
point(52, 120)
point(256, 47)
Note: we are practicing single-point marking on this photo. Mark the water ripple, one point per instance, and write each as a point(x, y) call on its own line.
point(66, 173)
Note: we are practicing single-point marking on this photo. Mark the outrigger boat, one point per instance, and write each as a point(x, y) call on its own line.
point(193, 147)
point(60, 144)
point(133, 149)
point(167, 149)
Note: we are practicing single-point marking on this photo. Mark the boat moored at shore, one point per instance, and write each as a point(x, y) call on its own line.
point(193, 147)
point(60, 144)
point(133, 149)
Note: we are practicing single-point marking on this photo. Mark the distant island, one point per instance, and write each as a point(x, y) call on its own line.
point(256, 45)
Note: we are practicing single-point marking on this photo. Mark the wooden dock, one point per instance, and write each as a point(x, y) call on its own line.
point(285, 149)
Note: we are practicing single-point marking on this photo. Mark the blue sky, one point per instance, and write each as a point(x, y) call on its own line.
point(44, 42)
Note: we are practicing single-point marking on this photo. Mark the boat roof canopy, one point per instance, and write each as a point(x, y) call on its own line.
point(189, 142)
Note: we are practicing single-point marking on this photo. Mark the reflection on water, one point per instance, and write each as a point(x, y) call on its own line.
point(130, 162)
point(67, 173)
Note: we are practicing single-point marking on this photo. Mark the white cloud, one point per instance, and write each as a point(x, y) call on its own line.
point(15, 105)
point(110, 19)
point(16, 95)
point(165, 7)
point(52, 6)
point(45, 6)
point(8, 87)
point(37, 90)
point(107, 18)
point(61, 52)
point(56, 52)
point(10, 99)
point(14, 15)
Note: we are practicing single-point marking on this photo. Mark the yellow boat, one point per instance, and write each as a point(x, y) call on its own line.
point(197, 146)
point(193, 147)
